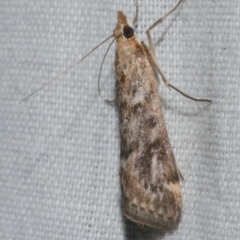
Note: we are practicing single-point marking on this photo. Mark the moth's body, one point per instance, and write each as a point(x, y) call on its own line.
point(148, 172)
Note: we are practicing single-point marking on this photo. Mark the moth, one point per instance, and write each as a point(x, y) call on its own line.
point(148, 173)
point(150, 179)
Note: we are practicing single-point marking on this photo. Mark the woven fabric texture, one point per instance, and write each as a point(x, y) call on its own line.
point(60, 149)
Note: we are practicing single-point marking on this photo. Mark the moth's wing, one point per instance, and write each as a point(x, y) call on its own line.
point(149, 175)
point(151, 189)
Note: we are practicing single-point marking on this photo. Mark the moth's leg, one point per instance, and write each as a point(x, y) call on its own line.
point(111, 101)
point(150, 51)
point(159, 21)
point(150, 42)
point(180, 175)
point(154, 64)
point(155, 67)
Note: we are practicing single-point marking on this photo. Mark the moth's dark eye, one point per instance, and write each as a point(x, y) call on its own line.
point(128, 32)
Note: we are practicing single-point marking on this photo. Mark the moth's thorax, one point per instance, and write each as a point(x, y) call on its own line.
point(127, 49)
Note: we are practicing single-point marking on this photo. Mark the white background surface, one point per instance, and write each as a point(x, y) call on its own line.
point(59, 150)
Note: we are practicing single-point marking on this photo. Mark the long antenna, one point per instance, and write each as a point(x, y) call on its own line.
point(100, 71)
point(66, 69)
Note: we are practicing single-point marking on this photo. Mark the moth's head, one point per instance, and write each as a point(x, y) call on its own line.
point(124, 28)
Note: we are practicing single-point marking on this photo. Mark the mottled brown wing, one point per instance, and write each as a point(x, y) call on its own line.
point(149, 175)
